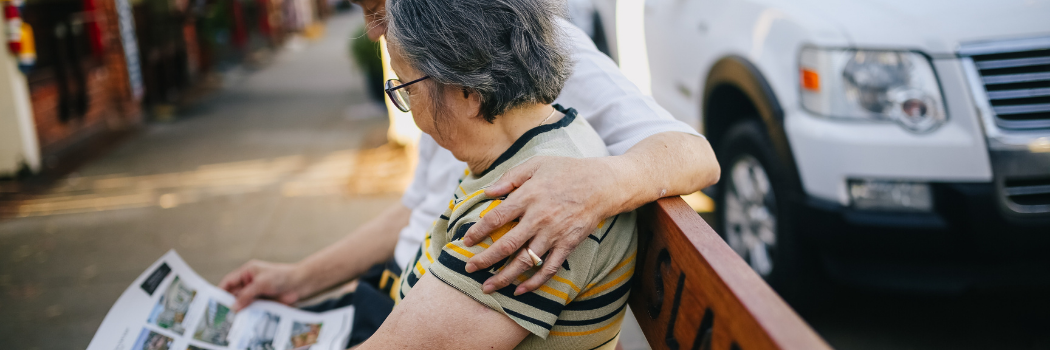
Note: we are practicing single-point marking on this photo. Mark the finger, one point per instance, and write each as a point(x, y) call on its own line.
point(288, 298)
point(521, 262)
point(500, 216)
point(512, 179)
point(551, 265)
point(506, 246)
point(514, 267)
point(231, 281)
point(238, 279)
point(247, 296)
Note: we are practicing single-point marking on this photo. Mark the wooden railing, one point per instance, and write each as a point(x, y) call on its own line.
point(693, 292)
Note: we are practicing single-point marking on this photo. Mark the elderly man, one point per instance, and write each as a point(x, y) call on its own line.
point(558, 201)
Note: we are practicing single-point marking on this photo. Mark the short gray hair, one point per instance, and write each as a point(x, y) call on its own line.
point(511, 52)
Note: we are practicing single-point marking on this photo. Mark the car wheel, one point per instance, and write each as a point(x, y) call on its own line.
point(750, 213)
point(755, 216)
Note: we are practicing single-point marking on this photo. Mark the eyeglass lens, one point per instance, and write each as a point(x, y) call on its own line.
point(403, 100)
point(400, 96)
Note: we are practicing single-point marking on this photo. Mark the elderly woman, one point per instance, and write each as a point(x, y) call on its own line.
point(479, 77)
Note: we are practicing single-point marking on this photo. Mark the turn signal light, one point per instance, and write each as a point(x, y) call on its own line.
point(810, 80)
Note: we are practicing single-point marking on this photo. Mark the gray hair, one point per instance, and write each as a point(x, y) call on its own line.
point(510, 52)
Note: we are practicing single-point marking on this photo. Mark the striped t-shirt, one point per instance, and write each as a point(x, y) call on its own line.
point(583, 305)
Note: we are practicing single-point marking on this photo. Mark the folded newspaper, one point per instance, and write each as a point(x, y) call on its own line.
point(170, 307)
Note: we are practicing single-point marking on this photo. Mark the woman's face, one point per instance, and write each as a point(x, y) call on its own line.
point(460, 110)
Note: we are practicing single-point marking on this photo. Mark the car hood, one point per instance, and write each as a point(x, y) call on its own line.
point(934, 26)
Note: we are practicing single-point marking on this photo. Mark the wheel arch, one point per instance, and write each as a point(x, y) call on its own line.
point(735, 91)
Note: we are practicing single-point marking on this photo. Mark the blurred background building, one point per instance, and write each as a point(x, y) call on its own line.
point(99, 68)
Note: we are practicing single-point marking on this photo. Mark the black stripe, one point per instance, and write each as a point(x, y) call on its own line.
point(462, 230)
point(593, 320)
point(599, 240)
point(531, 299)
point(534, 321)
point(600, 301)
point(419, 254)
point(412, 279)
point(443, 217)
point(393, 267)
point(570, 115)
point(607, 341)
point(453, 223)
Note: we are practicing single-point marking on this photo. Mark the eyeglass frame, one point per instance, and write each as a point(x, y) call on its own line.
point(391, 90)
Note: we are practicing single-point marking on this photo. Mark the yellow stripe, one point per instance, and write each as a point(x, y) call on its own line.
point(603, 287)
point(419, 267)
point(555, 292)
point(483, 245)
point(466, 171)
point(617, 267)
point(465, 252)
point(603, 328)
point(385, 278)
point(502, 231)
point(426, 249)
point(467, 198)
point(492, 204)
point(600, 224)
point(451, 203)
point(624, 262)
point(568, 282)
point(462, 190)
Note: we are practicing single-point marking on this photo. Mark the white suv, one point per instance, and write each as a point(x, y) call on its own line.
point(901, 144)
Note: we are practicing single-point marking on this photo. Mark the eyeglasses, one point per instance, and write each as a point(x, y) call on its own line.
point(399, 96)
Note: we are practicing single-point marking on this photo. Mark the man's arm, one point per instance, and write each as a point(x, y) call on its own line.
point(469, 324)
point(665, 164)
point(370, 244)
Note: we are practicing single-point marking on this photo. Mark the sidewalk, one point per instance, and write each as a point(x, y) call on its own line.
point(263, 169)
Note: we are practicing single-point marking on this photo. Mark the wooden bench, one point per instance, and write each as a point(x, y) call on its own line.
point(693, 292)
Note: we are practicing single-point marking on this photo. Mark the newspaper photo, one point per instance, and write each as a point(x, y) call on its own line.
point(170, 307)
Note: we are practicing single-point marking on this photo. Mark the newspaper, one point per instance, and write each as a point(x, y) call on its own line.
point(170, 307)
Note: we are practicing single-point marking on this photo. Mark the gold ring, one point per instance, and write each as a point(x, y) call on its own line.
point(536, 261)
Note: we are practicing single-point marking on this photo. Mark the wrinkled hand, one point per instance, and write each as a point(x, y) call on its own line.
point(260, 279)
point(560, 202)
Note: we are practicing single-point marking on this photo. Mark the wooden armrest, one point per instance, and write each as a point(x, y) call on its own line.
point(693, 292)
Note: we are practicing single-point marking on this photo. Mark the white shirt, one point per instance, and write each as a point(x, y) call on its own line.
point(599, 93)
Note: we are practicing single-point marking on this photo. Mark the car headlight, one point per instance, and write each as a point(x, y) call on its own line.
point(897, 86)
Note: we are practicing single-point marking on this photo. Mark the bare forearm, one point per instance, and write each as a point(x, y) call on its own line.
point(662, 165)
point(370, 244)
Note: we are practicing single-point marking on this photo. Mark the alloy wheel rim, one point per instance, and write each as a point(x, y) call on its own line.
point(750, 219)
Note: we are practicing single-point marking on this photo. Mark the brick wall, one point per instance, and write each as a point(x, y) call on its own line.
point(130, 107)
point(111, 105)
point(54, 133)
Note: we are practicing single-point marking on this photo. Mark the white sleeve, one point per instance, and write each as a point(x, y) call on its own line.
point(417, 191)
point(612, 104)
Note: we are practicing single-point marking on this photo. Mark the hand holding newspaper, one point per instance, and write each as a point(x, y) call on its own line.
point(170, 307)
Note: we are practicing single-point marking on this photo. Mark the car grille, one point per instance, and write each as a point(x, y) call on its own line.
point(1018, 86)
point(1028, 192)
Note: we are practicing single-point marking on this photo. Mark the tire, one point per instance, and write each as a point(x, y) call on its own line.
point(757, 217)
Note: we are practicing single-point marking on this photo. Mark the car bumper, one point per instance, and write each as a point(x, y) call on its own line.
point(966, 242)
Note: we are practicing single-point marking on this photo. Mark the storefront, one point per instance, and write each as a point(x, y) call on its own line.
point(19, 151)
point(79, 85)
